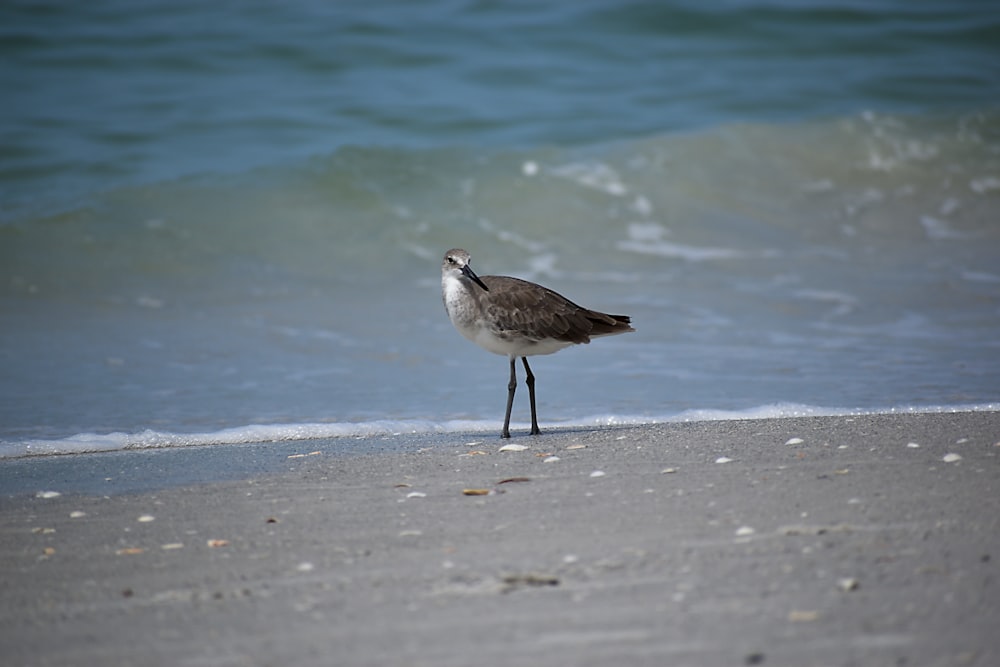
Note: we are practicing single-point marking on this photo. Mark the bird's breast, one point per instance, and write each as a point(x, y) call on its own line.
point(462, 306)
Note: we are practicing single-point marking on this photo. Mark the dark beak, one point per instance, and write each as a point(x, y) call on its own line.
point(471, 275)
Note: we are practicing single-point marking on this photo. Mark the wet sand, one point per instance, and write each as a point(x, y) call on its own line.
point(817, 541)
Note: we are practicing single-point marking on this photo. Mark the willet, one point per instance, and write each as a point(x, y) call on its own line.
point(516, 318)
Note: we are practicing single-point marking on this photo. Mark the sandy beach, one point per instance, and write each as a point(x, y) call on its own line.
point(866, 540)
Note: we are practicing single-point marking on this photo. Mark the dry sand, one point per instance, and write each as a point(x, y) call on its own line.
point(817, 541)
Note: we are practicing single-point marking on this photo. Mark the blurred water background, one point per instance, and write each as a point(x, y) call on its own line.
point(222, 222)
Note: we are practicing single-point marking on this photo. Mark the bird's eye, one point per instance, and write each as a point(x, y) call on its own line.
point(451, 260)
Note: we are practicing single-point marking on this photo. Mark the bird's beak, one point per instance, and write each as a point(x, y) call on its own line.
point(471, 275)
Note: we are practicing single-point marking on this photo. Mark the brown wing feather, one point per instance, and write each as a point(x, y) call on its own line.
point(538, 312)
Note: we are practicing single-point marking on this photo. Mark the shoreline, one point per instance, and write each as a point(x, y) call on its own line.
point(94, 471)
point(255, 434)
point(792, 541)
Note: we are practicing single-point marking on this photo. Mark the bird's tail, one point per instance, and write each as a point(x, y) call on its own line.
point(608, 325)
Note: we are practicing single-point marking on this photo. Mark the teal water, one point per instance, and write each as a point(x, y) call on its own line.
point(105, 93)
point(220, 223)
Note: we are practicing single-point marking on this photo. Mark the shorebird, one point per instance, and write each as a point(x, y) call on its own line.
point(516, 318)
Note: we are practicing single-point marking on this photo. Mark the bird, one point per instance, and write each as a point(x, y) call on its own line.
point(516, 318)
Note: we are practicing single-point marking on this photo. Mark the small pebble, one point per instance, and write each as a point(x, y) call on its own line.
point(913, 445)
point(743, 531)
point(416, 494)
point(802, 616)
point(77, 514)
point(667, 471)
point(598, 473)
point(848, 584)
point(513, 448)
point(305, 567)
point(130, 551)
point(723, 459)
point(794, 441)
point(551, 459)
point(951, 458)
point(47, 494)
point(146, 518)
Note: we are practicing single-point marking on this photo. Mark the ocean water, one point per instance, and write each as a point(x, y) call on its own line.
point(223, 222)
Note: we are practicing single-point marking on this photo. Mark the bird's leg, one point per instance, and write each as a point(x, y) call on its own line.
point(511, 387)
point(530, 381)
